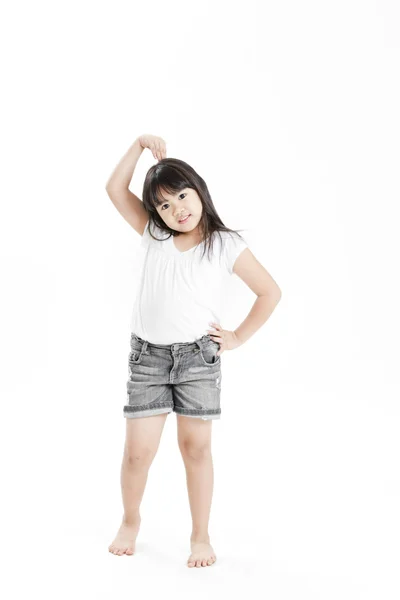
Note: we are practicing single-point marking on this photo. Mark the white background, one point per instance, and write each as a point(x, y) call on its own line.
point(290, 112)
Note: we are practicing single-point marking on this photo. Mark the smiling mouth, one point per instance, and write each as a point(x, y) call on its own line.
point(184, 220)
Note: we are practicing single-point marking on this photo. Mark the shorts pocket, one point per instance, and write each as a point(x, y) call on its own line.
point(135, 356)
point(208, 354)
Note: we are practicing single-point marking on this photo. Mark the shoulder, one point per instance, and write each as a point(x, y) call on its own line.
point(152, 231)
point(233, 245)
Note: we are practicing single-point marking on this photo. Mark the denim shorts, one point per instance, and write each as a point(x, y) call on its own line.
point(184, 378)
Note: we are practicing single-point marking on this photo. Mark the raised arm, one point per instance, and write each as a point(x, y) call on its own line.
point(117, 186)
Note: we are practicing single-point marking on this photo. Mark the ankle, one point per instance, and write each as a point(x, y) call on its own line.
point(200, 538)
point(131, 520)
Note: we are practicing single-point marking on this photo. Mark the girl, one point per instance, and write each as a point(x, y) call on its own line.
point(176, 338)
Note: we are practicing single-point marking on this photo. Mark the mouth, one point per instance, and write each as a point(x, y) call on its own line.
point(185, 219)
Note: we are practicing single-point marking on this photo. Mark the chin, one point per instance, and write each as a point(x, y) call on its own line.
point(185, 228)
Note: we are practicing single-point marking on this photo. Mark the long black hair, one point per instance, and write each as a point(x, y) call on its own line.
point(173, 175)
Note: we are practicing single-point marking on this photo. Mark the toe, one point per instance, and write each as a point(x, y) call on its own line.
point(191, 563)
point(203, 562)
point(210, 561)
point(198, 563)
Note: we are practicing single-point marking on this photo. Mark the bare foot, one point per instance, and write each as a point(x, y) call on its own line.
point(125, 539)
point(202, 555)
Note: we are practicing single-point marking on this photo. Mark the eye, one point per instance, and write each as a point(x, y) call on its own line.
point(183, 194)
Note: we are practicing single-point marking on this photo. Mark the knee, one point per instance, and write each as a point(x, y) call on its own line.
point(194, 451)
point(138, 457)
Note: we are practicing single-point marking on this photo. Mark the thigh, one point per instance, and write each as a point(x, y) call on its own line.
point(193, 434)
point(144, 433)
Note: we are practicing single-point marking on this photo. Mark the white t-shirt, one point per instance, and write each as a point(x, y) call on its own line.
point(180, 293)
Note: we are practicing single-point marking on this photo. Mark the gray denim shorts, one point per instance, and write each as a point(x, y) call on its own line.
point(184, 378)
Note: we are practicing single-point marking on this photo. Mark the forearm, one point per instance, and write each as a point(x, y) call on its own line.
point(122, 174)
point(258, 315)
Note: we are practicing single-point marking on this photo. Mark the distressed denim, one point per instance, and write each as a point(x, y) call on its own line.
point(184, 378)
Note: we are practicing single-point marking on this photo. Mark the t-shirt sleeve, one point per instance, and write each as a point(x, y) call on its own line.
point(234, 245)
point(144, 242)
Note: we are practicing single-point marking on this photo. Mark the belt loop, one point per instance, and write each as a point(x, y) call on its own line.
point(200, 342)
point(144, 348)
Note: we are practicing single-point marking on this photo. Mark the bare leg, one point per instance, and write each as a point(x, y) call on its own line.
point(194, 439)
point(143, 436)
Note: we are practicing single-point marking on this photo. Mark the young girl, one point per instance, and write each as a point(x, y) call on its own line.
point(176, 338)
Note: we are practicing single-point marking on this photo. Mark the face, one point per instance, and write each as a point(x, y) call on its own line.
point(176, 206)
